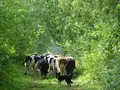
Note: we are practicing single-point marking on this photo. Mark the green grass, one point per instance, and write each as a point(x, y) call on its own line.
point(33, 81)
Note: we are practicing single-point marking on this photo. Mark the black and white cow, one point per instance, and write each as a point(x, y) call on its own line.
point(38, 58)
point(43, 66)
point(31, 62)
point(53, 63)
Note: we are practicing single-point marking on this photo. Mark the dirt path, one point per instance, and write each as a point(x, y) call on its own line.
point(36, 83)
point(53, 85)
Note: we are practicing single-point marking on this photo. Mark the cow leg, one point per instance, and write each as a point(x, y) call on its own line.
point(62, 68)
point(26, 68)
point(53, 69)
point(32, 64)
point(38, 70)
point(57, 67)
point(50, 70)
point(59, 82)
point(44, 75)
point(36, 67)
point(69, 85)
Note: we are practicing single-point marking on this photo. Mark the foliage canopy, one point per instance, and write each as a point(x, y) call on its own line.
point(89, 30)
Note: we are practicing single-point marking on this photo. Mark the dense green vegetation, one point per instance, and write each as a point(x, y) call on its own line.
point(88, 30)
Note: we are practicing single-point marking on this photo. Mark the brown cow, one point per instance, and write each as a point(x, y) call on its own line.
point(62, 63)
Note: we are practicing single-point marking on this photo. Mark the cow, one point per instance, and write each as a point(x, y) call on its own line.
point(37, 59)
point(67, 66)
point(70, 66)
point(62, 64)
point(52, 63)
point(31, 62)
point(48, 64)
point(43, 66)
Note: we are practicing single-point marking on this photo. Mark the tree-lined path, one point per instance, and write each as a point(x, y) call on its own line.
point(88, 30)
